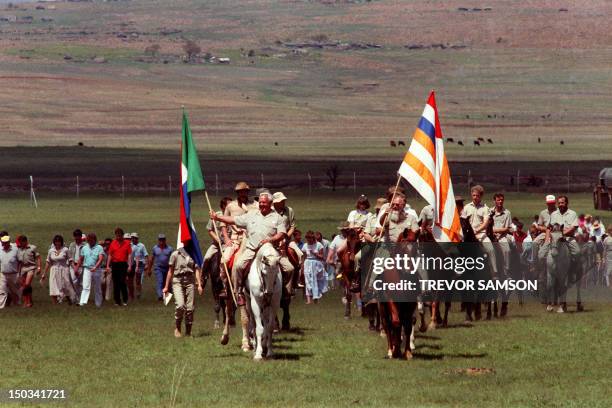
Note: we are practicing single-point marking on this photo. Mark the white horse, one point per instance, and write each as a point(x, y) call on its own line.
point(265, 287)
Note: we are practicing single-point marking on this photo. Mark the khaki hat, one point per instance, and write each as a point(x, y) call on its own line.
point(134, 235)
point(380, 202)
point(278, 197)
point(127, 235)
point(344, 225)
point(550, 199)
point(242, 186)
point(5, 238)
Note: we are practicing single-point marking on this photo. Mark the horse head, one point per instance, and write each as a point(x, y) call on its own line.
point(268, 265)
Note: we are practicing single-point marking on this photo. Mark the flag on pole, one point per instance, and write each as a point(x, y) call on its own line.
point(191, 180)
point(425, 167)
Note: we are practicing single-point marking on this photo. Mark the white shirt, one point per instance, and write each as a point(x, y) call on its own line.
point(335, 244)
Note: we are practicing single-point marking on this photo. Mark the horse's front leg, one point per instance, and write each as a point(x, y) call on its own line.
point(226, 321)
point(267, 338)
point(258, 317)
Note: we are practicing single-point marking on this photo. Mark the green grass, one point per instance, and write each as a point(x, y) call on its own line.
point(77, 52)
point(126, 357)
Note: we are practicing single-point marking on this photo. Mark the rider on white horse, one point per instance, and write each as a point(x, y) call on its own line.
point(262, 226)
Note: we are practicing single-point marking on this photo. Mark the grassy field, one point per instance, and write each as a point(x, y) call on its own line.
point(514, 74)
point(126, 357)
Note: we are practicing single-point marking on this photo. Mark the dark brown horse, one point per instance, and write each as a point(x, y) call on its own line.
point(431, 249)
point(286, 295)
point(351, 279)
point(397, 317)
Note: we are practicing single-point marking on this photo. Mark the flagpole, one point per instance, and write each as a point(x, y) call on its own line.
point(229, 278)
point(379, 235)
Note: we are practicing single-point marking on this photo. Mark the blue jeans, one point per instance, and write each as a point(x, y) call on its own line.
point(160, 277)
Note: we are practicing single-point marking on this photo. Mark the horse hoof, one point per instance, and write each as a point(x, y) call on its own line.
point(432, 325)
point(224, 339)
point(216, 325)
point(258, 358)
point(445, 323)
point(382, 333)
point(408, 355)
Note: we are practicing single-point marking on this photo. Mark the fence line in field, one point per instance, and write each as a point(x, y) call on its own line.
point(310, 182)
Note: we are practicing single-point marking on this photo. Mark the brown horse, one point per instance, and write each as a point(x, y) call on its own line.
point(426, 236)
point(351, 278)
point(286, 295)
point(397, 317)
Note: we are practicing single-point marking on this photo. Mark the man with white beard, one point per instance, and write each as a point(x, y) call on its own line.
point(399, 220)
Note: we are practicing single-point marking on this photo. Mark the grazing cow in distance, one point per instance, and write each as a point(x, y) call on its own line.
point(275, 143)
point(450, 140)
point(481, 139)
point(460, 143)
point(476, 142)
point(490, 141)
point(562, 142)
point(539, 140)
point(392, 143)
point(401, 143)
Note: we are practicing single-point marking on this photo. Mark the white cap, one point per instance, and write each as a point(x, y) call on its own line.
point(134, 235)
point(550, 199)
point(127, 235)
point(278, 197)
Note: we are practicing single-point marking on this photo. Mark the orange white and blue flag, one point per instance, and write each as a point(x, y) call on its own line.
point(425, 167)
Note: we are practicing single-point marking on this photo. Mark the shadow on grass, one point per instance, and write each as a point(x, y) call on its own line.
point(429, 346)
point(202, 333)
point(442, 356)
point(290, 356)
point(426, 337)
point(458, 325)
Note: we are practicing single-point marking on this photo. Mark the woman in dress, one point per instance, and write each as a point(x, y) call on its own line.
point(314, 269)
point(58, 270)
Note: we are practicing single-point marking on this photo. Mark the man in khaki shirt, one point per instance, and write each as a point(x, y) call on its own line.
point(399, 220)
point(232, 234)
point(288, 216)
point(477, 214)
point(569, 220)
point(262, 226)
point(502, 221)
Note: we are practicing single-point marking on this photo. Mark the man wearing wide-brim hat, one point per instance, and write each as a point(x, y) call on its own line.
point(233, 235)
